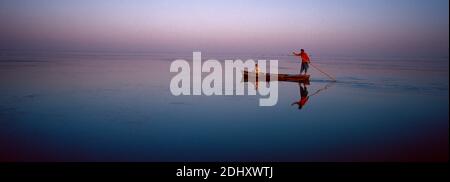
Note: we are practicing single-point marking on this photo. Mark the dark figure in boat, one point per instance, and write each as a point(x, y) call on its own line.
point(305, 60)
point(303, 96)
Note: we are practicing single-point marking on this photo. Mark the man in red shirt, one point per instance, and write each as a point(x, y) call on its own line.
point(305, 60)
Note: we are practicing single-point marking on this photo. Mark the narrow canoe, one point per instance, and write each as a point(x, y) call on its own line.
point(281, 77)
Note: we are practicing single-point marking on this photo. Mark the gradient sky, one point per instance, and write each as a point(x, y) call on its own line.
point(325, 27)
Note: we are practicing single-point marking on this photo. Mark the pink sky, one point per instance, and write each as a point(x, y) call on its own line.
point(352, 27)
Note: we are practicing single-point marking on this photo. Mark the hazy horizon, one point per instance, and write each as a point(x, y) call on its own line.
point(349, 28)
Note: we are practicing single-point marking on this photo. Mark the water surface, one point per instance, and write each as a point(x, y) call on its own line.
point(79, 106)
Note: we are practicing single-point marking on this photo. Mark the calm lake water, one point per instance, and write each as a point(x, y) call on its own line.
point(77, 106)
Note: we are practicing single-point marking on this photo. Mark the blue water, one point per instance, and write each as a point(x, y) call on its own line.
point(79, 106)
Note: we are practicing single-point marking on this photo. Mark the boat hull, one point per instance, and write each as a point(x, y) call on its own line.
point(281, 77)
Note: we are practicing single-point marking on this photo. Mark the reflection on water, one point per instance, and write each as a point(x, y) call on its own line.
point(302, 85)
point(301, 80)
point(303, 96)
point(118, 107)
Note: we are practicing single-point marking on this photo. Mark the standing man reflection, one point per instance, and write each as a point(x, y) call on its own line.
point(303, 96)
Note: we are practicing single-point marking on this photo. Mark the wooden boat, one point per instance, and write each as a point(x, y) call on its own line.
point(281, 77)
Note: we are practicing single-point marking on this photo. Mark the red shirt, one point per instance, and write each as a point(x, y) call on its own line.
point(303, 100)
point(305, 57)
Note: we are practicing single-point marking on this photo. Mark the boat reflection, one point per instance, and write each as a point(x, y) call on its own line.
point(303, 85)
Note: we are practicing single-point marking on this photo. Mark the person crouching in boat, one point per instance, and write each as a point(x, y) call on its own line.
point(305, 60)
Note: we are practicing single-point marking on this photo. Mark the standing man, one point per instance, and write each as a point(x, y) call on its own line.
point(305, 60)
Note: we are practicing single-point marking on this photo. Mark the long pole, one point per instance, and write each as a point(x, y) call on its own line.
point(324, 88)
point(329, 76)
